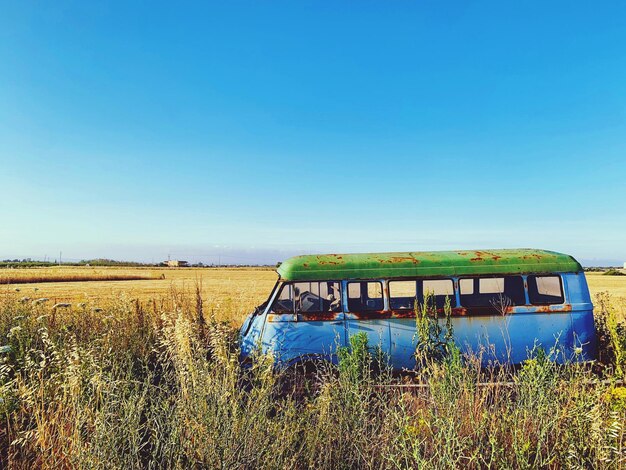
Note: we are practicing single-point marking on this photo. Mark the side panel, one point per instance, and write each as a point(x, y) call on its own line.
point(583, 340)
point(511, 338)
point(251, 332)
point(253, 329)
point(507, 338)
point(377, 331)
point(403, 342)
point(565, 329)
point(293, 341)
point(374, 324)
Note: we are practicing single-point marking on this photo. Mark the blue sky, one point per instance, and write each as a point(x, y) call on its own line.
point(256, 130)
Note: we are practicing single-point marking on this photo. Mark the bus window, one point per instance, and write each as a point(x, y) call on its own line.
point(402, 295)
point(365, 296)
point(440, 289)
point(545, 290)
point(489, 294)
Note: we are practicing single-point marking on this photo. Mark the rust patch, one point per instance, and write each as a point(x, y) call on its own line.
point(398, 259)
point(320, 316)
point(465, 312)
point(309, 316)
point(459, 311)
point(404, 313)
point(401, 259)
point(410, 313)
point(324, 260)
point(371, 315)
point(532, 256)
point(483, 255)
point(551, 308)
point(487, 311)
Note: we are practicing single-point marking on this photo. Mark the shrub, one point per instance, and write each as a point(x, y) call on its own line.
point(611, 331)
point(614, 272)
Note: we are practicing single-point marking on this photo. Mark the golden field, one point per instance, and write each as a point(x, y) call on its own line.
point(235, 290)
point(614, 285)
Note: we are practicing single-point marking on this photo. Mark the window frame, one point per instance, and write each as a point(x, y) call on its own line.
point(416, 297)
point(479, 277)
point(521, 277)
point(561, 286)
point(383, 298)
point(420, 290)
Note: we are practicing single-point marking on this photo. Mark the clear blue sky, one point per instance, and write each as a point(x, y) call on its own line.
point(255, 130)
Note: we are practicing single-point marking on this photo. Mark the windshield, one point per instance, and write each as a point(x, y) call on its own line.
point(308, 297)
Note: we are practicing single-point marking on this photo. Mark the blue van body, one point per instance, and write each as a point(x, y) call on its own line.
point(564, 326)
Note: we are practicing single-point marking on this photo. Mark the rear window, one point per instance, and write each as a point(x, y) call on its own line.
point(492, 292)
point(545, 290)
point(403, 294)
point(365, 296)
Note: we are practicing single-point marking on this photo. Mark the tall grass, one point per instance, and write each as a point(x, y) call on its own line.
point(158, 385)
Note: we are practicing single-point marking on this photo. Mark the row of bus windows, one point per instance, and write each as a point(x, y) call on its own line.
point(475, 293)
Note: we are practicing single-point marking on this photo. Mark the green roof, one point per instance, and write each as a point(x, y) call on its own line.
point(425, 263)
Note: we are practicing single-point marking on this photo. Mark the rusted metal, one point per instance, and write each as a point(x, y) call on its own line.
point(410, 313)
point(319, 316)
point(425, 263)
point(307, 316)
point(482, 255)
point(482, 311)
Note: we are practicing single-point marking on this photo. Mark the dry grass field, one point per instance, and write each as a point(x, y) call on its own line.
point(235, 290)
point(614, 285)
point(158, 384)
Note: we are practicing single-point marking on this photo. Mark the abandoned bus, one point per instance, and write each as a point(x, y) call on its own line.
point(504, 303)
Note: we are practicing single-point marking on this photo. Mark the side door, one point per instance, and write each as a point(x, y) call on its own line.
point(367, 313)
point(403, 296)
point(305, 322)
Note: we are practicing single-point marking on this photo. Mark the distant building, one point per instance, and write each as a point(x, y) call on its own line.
point(176, 263)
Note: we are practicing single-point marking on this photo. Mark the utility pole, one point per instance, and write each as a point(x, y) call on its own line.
point(60, 255)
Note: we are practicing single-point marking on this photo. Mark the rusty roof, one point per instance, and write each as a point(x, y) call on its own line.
point(425, 264)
